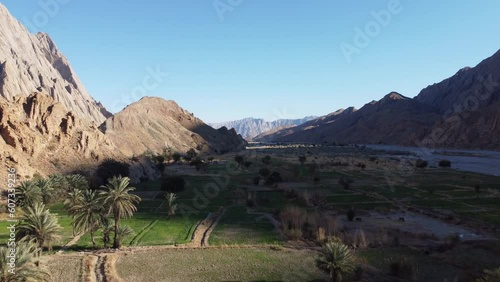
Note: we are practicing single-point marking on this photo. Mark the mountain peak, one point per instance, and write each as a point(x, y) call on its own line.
point(32, 63)
point(393, 96)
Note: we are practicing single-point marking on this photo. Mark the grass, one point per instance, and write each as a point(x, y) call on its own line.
point(429, 269)
point(220, 265)
point(237, 227)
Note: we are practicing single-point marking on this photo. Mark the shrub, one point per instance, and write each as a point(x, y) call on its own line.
point(445, 163)
point(256, 180)
point(197, 163)
point(477, 187)
point(176, 157)
point(173, 184)
point(293, 218)
point(421, 164)
point(247, 164)
point(191, 154)
point(110, 168)
point(302, 160)
point(336, 260)
point(345, 182)
point(490, 276)
point(351, 214)
point(361, 165)
point(453, 240)
point(403, 268)
point(373, 159)
point(275, 177)
point(266, 160)
point(264, 172)
point(239, 160)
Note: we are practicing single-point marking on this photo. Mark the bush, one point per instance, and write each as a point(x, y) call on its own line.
point(197, 163)
point(361, 165)
point(477, 187)
point(421, 164)
point(302, 160)
point(239, 160)
point(173, 184)
point(373, 159)
point(176, 157)
point(490, 276)
point(445, 163)
point(266, 160)
point(274, 178)
point(346, 182)
point(264, 172)
point(247, 164)
point(110, 168)
point(351, 214)
point(256, 180)
point(404, 269)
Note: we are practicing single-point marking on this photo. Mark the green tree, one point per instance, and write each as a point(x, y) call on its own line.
point(118, 202)
point(40, 225)
point(88, 214)
point(73, 198)
point(176, 157)
point(239, 160)
point(108, 227)
point(266, 160)
point(302, 160)
point(336, 259)
point(171, 205)
point(25, 266)
point(112, 168)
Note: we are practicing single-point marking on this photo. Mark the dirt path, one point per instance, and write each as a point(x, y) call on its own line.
point(202, 232)
point(70, 243)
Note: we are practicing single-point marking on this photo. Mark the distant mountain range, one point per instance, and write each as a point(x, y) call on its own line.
point(252, 127)
point(462, 111)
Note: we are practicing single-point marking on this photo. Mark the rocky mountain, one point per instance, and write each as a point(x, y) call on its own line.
point(38, 135)
point(462, 111)
point(155, 124)
point(32, 63)
point(50, 124)
point(251, 127)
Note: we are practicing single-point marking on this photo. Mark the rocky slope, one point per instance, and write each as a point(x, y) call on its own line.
point(251, 127)
point(32, 63)
point(462, 111)
point(38, 135)
point(155, 124)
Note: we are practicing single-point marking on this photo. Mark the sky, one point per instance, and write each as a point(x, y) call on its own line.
point(230, 59)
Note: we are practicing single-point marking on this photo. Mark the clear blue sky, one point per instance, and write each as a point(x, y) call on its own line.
point(265, 58)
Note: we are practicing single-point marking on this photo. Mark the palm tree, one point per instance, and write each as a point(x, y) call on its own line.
point(73, 199)
point(118, 201)
point(40, 225)
point(124, 232)
point(28, 193)
point(108, 226)
point(336, 260)
point(171, 206)
point(77, 181)
point(88, 214)
point(25, 266)
point(47, 189)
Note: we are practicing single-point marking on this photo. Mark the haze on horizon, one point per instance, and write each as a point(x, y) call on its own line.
point(265, 60)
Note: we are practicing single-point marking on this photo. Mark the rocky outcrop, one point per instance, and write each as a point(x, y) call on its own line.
point(32, 63)
point(38, 135)
point(155, 124)
point(252, 127)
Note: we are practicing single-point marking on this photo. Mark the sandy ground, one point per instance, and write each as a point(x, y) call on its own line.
point(415, 224)
point(486, 162)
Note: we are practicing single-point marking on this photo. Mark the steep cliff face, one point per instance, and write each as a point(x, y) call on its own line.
point(38, 135)
point(32, 63)
point(154, 124)
point(462, 111)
